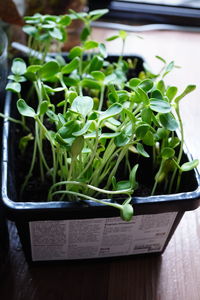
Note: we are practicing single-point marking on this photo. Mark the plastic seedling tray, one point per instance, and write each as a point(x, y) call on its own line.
point(52, 231)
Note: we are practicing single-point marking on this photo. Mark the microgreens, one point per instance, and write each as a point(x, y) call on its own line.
point(95, 120)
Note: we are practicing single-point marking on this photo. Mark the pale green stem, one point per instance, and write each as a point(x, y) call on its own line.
point(66, 93)
point(89, 187)
point(121, 156)
point(52, 147)
point(180, 149)
point(115, 205)
point(107, 156)
point(92, 155)
point(101, 98)
point(156, 181)
point(41, 157)
point(13, 120)
point(31, 168)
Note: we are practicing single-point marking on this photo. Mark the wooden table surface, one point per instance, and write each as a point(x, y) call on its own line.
point(175, 274)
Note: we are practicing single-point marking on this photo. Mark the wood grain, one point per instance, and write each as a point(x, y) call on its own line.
point(175, 274)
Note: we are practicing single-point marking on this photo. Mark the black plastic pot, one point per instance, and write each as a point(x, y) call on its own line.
point(67, 231)
point(4, 238)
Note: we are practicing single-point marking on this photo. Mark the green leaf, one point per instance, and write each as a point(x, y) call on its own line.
point(30, 30)
point(33, 68)
point(90, 45)
point(70, 81)
point(50, 90)
point(90, 83)
point(123, 96)
point(49, 25)
point(156, 94)
point(48, 70)
point(112, 111)
point(188, 166)
point(167, 153)
point(146, 115)
point(14, 87)
point(114, 183)
point(171, 92)
point(122, 139)
point(62, 120)
point(98, 75)
point(161, 133)
point(18, 66)
point(141, 150)
point(82, 105)
point(148, 139)
point(75, 15)
point(85, 34)
point(102, 50)
point(134, 82)
point(173, 142)
point(109, 135)
point(73, 65)
point(24, 109)
point(17, 78)
point(113, 96)
point(71, 96)
point(126, 212)
point(98, 13)
point(123, 185)
point(30, 76)
point(31, 72)
point(130, 115)
point(123, 34)
point(110, 79)
point(60, 60)
point(56, 33)
point(96, 63)
point(76, 51)
point(49, 18)
point(77, 146)
point(35, 19)
point(113, 121)
point(65, 20)
point(146, 85)
point(141, 130)
point(112, 38)
point(168, 68)
point(160, 106)
point(23, 142)
point(168, 121)
point(43, 108)
point(68, 129)
point(64, 142)
point(52, 116)
point(91, 135)
point(187, 90)
point(161, 59)
point(141, 95)
point(132, 177)
point(83, 130)
point(161, 86)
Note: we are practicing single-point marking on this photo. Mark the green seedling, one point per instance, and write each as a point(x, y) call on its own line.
point(94, 120)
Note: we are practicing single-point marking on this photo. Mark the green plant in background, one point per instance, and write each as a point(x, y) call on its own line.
point(95, 119)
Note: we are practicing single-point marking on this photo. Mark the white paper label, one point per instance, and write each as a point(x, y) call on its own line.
point(102, 237)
